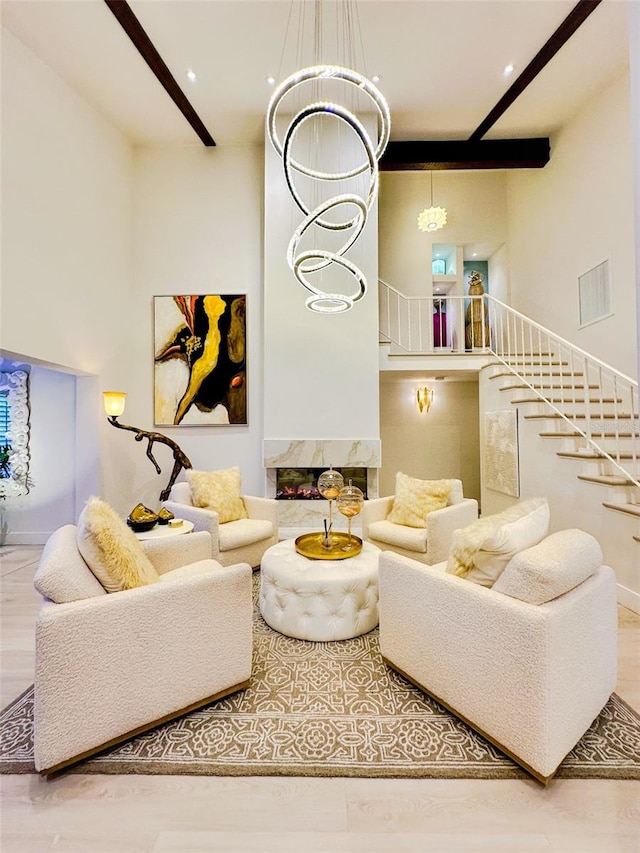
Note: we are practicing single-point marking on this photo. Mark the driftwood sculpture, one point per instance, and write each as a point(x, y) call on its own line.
point(181, 460)
point(476, 329)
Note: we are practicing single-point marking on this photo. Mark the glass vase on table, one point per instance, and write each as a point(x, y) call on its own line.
point(349, 503)
point(329, 485)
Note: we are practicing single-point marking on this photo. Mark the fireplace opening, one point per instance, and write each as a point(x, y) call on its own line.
point(301, 484)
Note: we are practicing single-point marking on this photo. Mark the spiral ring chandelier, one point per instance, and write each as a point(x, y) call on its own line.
point(308, 262)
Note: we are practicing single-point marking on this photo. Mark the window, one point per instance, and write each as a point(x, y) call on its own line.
point(594, 294)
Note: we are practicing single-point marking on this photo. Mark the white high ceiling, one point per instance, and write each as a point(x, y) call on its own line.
point(440, 61)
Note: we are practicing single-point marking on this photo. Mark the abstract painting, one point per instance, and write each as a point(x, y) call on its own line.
point(500, 452)
point(200, 373)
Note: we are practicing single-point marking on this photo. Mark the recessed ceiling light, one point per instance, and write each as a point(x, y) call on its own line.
point(191, 75)
point(271, 80)
point(508, 69)
point(475, 255)
point(376, 78)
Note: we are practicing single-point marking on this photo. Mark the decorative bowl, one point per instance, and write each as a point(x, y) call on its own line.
point(141, 518)
point(164, 516)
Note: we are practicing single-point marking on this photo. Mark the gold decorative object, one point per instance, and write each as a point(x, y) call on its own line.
point(476, 329)
point(176, 522)
point(349, 503)
point(165, 516)
point(142, 518)
point(424, 398)
point(312, 546)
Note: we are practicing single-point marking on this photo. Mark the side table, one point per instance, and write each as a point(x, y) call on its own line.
point(162, 530)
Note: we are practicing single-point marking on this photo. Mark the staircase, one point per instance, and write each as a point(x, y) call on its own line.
point(587, 410)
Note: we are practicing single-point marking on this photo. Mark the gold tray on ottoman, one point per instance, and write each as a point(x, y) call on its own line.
point(310, 545)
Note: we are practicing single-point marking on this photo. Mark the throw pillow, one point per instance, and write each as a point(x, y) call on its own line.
point(552, 567)
point(218, 490)
point(111, 550)
point(415, 499)
point(481, 551)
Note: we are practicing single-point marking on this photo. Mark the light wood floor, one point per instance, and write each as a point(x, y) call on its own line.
point(181, 814)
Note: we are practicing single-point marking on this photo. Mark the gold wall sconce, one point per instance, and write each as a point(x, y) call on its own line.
point(424, 398)
point(114, 402)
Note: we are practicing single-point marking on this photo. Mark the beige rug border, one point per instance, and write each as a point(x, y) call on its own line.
point(464, 770)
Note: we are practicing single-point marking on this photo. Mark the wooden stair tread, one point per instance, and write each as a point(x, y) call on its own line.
point(546, 387)
point(565, 400)
point(628, 509)
point(536, 373)
point(579, 416)
point(568, 434)
point(606, 480)
point(592, 454)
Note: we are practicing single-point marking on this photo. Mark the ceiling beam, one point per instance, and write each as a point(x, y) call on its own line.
point(567, 28)
point(465, 154)
point(133, 28)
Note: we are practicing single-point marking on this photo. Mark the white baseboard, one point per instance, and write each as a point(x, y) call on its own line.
point(628, 598)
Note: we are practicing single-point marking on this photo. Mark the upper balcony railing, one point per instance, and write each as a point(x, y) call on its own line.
point(599, 403)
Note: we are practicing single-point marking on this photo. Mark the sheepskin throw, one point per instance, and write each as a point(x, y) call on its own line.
point(481, 551)
point(218, 490)
point(111, 550)
point(415, 499)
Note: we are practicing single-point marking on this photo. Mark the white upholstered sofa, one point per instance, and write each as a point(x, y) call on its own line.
point(530, 677)
point(241, 541)
point(110, 665)
point(430, 543)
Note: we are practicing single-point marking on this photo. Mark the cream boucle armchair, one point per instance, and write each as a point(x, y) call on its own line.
point(242, 541)
point(429, 544)
point(109, 666)
point(529, 677)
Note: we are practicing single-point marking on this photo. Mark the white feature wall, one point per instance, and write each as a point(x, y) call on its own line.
point(321, 371)
point(66, 277)
point(197, 230)
point(572, 215)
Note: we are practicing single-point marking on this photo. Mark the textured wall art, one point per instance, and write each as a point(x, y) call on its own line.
point(500, 452)
point(200, 360)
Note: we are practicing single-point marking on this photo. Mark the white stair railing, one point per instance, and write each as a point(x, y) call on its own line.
point(432, 324)
point(598, 402)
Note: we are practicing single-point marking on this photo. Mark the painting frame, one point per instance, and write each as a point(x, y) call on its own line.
point(200, 360)
point(501, 452)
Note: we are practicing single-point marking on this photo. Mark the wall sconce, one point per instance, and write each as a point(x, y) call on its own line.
point(114, 402)
point(424, 398)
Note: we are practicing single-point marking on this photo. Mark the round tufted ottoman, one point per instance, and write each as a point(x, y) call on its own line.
point(319, 599)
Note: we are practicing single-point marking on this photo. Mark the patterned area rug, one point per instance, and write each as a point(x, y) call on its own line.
point(328, 709)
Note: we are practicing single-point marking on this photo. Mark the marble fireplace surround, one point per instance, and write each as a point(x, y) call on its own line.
point(318, 453)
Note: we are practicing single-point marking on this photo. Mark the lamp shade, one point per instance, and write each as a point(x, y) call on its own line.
point(432, 218)
point(114, 402)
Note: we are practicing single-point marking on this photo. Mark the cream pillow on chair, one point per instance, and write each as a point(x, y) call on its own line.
point(218, 490)
point(111, 550)
point(415, 499)
point(481, 551)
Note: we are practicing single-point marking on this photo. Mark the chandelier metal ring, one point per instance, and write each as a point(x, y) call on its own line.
point(327, 72)
point(344, 115)
point(359, 221)
point(331, 257)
